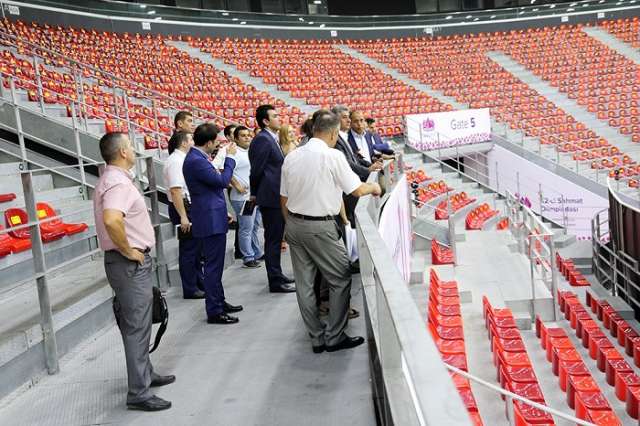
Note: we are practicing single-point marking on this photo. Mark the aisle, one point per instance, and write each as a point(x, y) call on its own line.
point(259, 372)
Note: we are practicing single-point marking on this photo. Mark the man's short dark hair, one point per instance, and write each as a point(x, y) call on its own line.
point(318, 113)
point(370, 121)
point(236, 132)
point(307, 127)
point(228, 130)
point(339, 109)
point(110, 144)
point(325, 122)
point(204, 133)
point(262, 113)
point(181, 116)
point(177, 140)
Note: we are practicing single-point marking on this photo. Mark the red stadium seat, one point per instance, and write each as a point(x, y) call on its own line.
point(16, 217)
point(45, 211)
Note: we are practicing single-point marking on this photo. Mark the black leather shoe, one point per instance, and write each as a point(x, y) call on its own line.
point(347, 343)
point(197, 295)
point(319, 349)
point(288, 280)
point(222, 319)
point(162, 381)
point(283, 288)
point(152, 404)
point(229, 308)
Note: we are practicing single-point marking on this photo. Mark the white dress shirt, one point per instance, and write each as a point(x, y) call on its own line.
point(363, 146)
point(314, 178)
point(344, 136)
point(172, 173)
point(241, 174)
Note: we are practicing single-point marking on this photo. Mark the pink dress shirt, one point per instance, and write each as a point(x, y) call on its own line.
point(115, 190)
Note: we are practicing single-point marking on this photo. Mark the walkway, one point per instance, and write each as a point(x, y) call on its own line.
point(259, 372)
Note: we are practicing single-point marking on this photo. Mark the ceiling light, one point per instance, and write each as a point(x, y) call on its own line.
point(492, 16)
point(551, 6)
point(225, 13)
point(570, 9)
point(311, 23)
point(536, 9)
point(475, 19)
point(243, 22)
point(143, 6)
point(572, 4)
point(448, 17)
point(321, 25)
point(317, 2)
point(469, 16)
point(301, 19)
point(533, 1)
point(601, 1)
point(158, 18)
point(234, 19)
point(521, 13)
point(151, 12)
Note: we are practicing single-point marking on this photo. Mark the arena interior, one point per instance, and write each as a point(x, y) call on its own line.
point(499, 276)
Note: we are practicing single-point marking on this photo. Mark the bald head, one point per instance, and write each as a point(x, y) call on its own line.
point(111, 144)
point(358, 123)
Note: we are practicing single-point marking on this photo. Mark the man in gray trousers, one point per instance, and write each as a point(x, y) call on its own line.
point(313, 180)
point(126, 235)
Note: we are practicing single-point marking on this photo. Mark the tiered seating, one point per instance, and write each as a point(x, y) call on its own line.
point(9, 244)
point(145, 60)
point(50, 231)
point(433, 190)
point(5, 198)
point(570, 272)
point(441, 254)
point(321, 74)
point(445, 325)
point(583, 393)
point(617, 371)
point(417, 176)
point(514, 370)
point(586, 70)
point(477, 217)
point(456, 202)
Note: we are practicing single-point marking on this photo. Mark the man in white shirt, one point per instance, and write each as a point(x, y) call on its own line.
point(359, 136)
point(180, 202)
point(313, 180)
point(249, 224)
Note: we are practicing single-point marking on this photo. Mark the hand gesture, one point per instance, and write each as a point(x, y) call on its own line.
point(377, 191)
point(135, 255)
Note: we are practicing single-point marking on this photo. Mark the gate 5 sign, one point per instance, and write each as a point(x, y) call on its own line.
point(447, 129)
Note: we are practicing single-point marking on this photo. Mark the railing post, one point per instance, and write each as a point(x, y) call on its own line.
point(497, 179)
point(554, 277)
point(157, 128)
point(16, 112)
point(84, 108)
point(76, 137)
point(39, 84)
point(533, 281)
point(452, 231)
point(37, 249)
point(161, 264)
point(457, 160)
point(115, 98)
point(132, 135)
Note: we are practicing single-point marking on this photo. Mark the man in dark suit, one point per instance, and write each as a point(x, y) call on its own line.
point(378, 144)
point(209, 216)
point(360, 140)
point(266, 160)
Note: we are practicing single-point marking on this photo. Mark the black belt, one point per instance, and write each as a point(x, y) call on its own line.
point(143, 251)
point(316, 218)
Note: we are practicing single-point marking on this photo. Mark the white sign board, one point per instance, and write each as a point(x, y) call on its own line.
point(146, 25)
point(447, 129)
point(525, 179)
point(13, 10)
point(395, 227)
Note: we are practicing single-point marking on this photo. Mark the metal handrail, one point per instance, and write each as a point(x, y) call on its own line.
point(510, 396)
point(100, 72)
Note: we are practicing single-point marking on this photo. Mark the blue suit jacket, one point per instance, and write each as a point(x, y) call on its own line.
point(206, 188)
point(266, 160)
point(367, 136)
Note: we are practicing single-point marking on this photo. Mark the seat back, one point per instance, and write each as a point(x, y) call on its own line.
point(16, 217)
point(45, 211)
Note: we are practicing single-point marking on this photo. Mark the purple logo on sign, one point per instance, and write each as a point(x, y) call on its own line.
point(428, 125)
point(524, 200)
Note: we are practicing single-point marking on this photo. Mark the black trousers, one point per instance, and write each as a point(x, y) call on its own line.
point(273, 223)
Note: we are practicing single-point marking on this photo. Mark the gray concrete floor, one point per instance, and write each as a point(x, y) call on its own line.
point(258, 372)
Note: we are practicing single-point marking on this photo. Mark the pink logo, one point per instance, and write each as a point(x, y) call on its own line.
point(524, 200)
point(428, 124)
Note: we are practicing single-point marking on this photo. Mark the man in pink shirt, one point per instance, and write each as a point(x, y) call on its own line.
point(126, 235)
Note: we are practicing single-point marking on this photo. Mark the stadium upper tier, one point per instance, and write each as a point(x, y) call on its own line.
point(317, 72)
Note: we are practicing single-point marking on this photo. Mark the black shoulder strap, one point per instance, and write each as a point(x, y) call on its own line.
point(163, 326)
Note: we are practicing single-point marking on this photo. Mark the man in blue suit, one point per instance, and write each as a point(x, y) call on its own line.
point(209, 220)
point(266, 160)
point(360, 140)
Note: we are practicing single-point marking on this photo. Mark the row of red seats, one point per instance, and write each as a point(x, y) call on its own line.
point(514, 369)
point(52, 229)
point(477, 217)
point(5, 198)
point(445, 323)
point(441, 254)
point(583, 393)
point(570, 272)
point(433, 190)
point(417, 176)
point(455, 203)
point(503, 224)
point(609, 360)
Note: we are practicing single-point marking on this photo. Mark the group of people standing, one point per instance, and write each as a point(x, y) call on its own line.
point(305, 193)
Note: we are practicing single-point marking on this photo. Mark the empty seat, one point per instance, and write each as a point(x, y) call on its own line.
point(45, 211)
point(15, 217)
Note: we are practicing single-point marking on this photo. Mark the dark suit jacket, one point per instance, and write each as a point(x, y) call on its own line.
point(206, 187)
point(266, 160)
point(352, 143)
point(363, 172)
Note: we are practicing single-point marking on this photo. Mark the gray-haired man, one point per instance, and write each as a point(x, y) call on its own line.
point(313, 180)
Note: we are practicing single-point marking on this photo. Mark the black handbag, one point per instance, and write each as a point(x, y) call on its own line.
point(160, 315)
